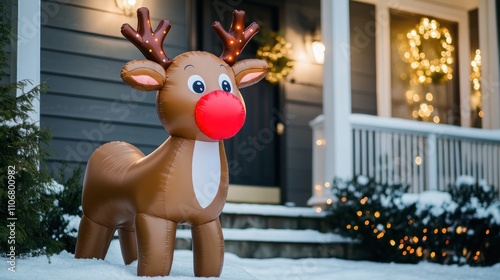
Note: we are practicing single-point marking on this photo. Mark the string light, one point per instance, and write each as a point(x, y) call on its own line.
point(363, 200)
point(475, 78)
point(418, 242)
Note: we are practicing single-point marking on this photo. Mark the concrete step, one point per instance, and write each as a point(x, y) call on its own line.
point(278, 243)
point(273, 231)
point(272, 216)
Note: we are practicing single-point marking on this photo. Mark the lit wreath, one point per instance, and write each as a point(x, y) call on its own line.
point(275, 50)
point(428, 71)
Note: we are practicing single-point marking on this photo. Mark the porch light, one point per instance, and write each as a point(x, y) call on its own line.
point(318, 50)
point(128, 6)
point(320, 142)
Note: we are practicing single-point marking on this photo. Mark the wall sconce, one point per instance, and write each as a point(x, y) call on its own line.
point(128, 6)
point(318, 50)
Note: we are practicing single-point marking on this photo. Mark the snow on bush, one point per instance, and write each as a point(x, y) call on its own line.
point(460, 225)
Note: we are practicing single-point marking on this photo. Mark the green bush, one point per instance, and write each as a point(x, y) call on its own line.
point(460, 226)
point(63, 220)
point(21, 165)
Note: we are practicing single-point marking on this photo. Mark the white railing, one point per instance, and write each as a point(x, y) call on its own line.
point(426, 156)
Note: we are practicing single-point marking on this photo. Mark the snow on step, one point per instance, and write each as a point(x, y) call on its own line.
point(274, 235)
point(270, 210)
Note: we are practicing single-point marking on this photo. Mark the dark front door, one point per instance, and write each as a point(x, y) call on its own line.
point(254, 153)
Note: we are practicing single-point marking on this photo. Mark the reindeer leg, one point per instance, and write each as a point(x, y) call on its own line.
point(128, 245)
point(208, 249)
point(155, 243)
point(93, 240)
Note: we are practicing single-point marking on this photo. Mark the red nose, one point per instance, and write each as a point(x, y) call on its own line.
point(219, 115)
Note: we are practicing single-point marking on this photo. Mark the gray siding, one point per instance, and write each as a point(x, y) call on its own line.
point(10, 7)
point(302, 102)
point(82, 53)
point(363, 75)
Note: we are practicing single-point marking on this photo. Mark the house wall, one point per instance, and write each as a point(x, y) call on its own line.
point(363, 69)
point(302, 98)
point(87, 104)
point(11, 11)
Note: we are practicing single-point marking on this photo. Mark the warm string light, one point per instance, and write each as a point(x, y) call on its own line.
point(475, 78)
point(436, 243)
point(411, 245)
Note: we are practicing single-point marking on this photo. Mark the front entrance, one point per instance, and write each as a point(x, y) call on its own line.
point(254, 153)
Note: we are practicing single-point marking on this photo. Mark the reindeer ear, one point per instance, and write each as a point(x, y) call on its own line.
point(143, 75)
point(249, 71)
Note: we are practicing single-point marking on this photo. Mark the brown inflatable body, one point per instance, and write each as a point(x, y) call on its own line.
point(185, 180)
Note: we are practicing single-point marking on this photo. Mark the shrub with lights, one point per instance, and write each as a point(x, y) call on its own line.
point(460, 226)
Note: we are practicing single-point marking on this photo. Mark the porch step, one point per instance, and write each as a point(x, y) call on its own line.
point(278, 243)
point(272, 216)
point(273, 231)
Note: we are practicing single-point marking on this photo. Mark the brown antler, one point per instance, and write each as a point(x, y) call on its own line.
point(148, 42)
point(236, 39)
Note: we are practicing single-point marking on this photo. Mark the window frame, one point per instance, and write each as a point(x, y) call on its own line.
point(383, 49)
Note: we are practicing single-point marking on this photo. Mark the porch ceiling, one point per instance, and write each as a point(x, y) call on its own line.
point(462, 4)
point(466, 5)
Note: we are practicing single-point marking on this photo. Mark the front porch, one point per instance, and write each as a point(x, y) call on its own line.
point(425, 156)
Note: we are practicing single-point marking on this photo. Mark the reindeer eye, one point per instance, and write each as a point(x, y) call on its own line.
point(225, 83)
point(196, 84)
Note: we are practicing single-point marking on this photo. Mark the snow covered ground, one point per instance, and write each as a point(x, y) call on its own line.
point(63, 266)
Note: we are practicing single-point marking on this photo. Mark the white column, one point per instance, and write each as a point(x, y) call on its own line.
point(488, 45)
point(431, 160)
point(464, 56)
point(383, 59)
point(28, 48)
point(337, 89)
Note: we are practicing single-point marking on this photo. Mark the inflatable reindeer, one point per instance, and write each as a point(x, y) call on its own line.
point(185, 180)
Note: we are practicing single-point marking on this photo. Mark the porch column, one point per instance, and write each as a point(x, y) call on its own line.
point(338, 159)
point(28, 49)
point(488, 44)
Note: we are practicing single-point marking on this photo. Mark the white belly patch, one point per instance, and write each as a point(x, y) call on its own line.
point(206, 171)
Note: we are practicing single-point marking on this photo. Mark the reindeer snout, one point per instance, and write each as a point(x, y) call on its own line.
point(219, 114)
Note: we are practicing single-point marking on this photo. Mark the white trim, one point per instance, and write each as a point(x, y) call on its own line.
point(488, 45)
point(383, 59)
point(337, 89)
point(397, 124)
point(28, 48)
point(465, 5)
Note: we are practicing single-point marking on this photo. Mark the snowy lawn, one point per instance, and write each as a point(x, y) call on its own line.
point(64, 266)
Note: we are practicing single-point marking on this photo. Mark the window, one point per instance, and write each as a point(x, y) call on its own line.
point(424, 72)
